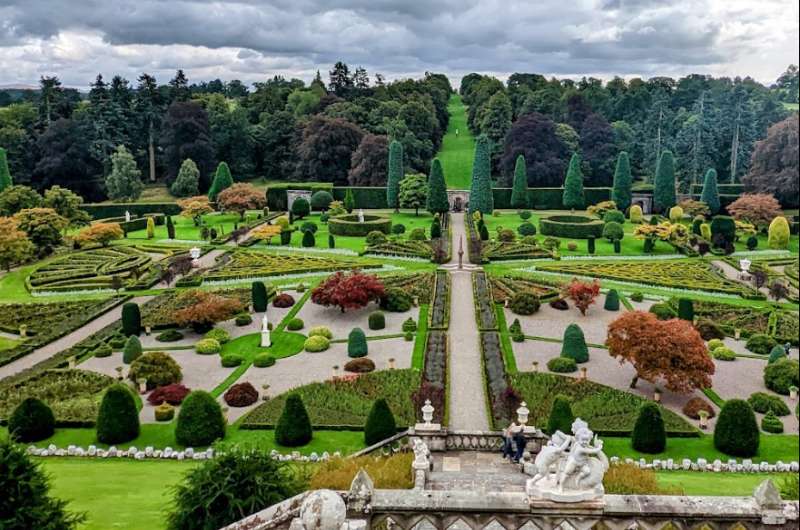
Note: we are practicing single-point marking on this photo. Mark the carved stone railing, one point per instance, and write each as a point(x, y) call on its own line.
point(447, 440)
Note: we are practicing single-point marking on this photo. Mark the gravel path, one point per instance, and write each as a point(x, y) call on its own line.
point(67, 341)
point(467, 399)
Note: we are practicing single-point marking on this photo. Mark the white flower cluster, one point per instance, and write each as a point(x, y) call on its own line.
point(762, 254)
point(399, 258)
point(716, 466)
point(309, 250)
point(624, 258)
point(281, 277)
point(71, 293)
point(184, 241)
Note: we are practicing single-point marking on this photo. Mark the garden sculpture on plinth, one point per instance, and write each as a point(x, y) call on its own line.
point(265, 338)
point(360, 215)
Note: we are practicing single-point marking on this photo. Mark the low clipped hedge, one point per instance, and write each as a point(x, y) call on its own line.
point(571, 226)
point(348, 225)
point(263, 360)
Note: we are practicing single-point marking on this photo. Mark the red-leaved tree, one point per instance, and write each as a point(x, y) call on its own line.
point(757, 208)
point(241, 197)
point(348, 291)
point(200, 310)
point(582, 294)
point(671, 352)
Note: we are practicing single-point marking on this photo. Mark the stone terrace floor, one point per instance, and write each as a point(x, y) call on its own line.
point(475, 471)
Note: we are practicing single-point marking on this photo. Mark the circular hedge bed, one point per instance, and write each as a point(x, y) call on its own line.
point(571, 226)
point(348, 225)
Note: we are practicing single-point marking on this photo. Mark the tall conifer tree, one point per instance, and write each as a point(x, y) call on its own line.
point(573, 185)
point(480, 196)
point(519, 190)
point(621, 189)
point(710, 194)
point(437, 189)
point(395, 175)
point(222, 181)
point(5, 174)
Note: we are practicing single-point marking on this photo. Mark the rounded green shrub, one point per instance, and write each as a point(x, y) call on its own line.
point(614, 216)
point(525, 215)
point(375, 238)
point(200, 420)
point(295, 323)
point(132, 349)
point(308, 240)
point(316, 343)
point(562, 365)
point(779, 233)
point(103, 350)
point(781, 375)
point(263, 360)
point(649, 435)
point(31, 421)
point(294, 427)
point(398, 229)
point(635, 214)
point(408, 336)
point(723, 353)
point(526, 229)
point(231, 360)
point(218, 334)
point(131, 319)
point(561, 417)
point(612, 301)
point(207, 346)
point(418, 234)
point(309, 226)
point(574, 345)
point(736, 432)
point(637, 296)
point(321, 200)
point(164, 412)
point(396, 300)
point(686, 309)
point(713, 344)
point(613, 231)
point(380, 423)
point(170, 335)
point(771, 423)
point(763, 403)
point(409, 325)
point(760, 343)
point(357, 343)
point(320, 331)
point(776, 354)
point(158, 368)
point(243, 319)
point(300, 208)
point(662, 311)
point(118, 417)
point(377, 320)
point(524, 303)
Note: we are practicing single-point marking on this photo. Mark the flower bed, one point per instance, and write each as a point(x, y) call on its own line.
point(73, 395)
point(607, 410)
point(484, 305)
point(349, 225)
point(434, 376)
point(679, 274)
point(494, 370)
point(505, 287)
point(402, 248)
point(419, 284)
point(159, 312)
point(505, 250)
point(439, 316)
point(47, 322)
point(249, 264)
point(571, 226)
point(345, 403)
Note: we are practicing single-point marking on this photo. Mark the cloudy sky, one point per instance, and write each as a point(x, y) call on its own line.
point(254, 39)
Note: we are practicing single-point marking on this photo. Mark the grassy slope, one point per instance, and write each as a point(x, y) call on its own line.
point(721, 484)
point(457, 151)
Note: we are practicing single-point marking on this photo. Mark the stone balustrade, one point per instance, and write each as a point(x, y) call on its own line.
point(447, 440)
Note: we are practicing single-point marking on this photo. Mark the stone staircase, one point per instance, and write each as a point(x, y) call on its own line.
point(474, 471)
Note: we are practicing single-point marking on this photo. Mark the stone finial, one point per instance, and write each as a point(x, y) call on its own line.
point(322, 510)
point(361, 489)
point(767, 495)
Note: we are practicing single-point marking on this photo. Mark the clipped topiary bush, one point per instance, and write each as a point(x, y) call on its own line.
point(409, 325)
point(524, 303)
point(760, 343)
point(243, 320)
point(649, 435)
point(263, 360)
point(612, 301)
point(574, 345)
point(782, 375)
point(320, 331)
point(200, 420)
point(258, 292)
point(231, 360)
point(357, 343)
point(396, 300)
point(375, 238)
point(561, 417)
point(637, 296)
point(776, 354)
point(686, 309)
point(295, 323)
point(316, 344)
point(398, 229)
point(308, 240)
point(771, 424)
point(380, 423)
point(662, 311)
point(562, 365)
point(164, 412)
point(763, 403)
point(361, 365)
point(713, 344)
point(377, 320)
point(207, 346)
point(172, 394)
point(158, 368)
point(736, 432)
point(294, 426)
point(526, 229)
point(131, 319)
point(709, 330)
point(170, 335)
point(118, 417)
point(132, 349)
point(614, 216)
point(321, 200)
point(241, 395)
point(31, 421)
point(103, 350)
point(283, 300)
point(723, 353)
point(218, 334)
point(613, 231)
point(635, 214)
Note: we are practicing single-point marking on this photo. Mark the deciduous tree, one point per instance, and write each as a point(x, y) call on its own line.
point(671, 352)
point(348, 291)
point(18, 197)
point(775, 163)
point(5, 173)
point(99, 233)
point(413, 192)
point(326, 150)
point(202, 309)
point(43, 226)
point(195, 208)
point(67, 204)
point(582, 294)
point(757, 208)
point(368, 165)
point(241, 197)
point(124, 182)
point(15, 247)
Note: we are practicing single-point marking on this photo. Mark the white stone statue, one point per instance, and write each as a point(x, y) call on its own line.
point(569, 468)
point(265, 338)
point(360, 215)
point(127, 216)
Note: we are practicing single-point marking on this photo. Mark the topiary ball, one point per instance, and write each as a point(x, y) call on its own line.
point(241, 395)
point(207, 346)
point(723, 353)
point(218, 334)
point(243, 320)
point(736, 432)
point(781, 375)
point(377, 320)
point(294, 324)
point(200, 420)
point(320, 331)
point(316, 343)
point(158, 368)
point(562, 365)
point(263, 360)
point(524, 303)
point(231, 360)
point(31, 421)
point(662, 311)
point(526, 229)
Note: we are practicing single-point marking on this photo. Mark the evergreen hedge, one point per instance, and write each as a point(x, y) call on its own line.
point(131, 319)
point(31, 421)
point(118, 417)
point(664, 196)
point(200, 420)
point(380, 423)
point(649, 435)
point(294, 427)
point(621, 188)
point(710, 194)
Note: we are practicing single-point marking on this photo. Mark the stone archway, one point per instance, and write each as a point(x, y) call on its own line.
point(292, 195)
point(458, 200)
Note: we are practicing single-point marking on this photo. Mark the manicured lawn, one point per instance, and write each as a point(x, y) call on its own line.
point(717, 484)
point(773, 448)
point(124, 494)
point(6, 343)
point(186, 229)
point(12, 287)
point(457, 150)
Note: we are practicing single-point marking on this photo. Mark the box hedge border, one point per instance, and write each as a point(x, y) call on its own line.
point(571, 226)
point(349, 225)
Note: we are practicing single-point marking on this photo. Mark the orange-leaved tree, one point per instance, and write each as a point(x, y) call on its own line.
point(99, 233)
point(348, 291)
point(195, 208)
point(241, 197)
point(668, 352)
point(200, 310)
point(582, 294)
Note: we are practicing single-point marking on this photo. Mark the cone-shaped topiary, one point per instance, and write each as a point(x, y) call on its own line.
point(519, 189)
point(308, 239)
point(349, 202)
point(649, 434)
point(357, 343)
point(480, 197)
point(151, 228)
point(294, 427)
point(380, 423)
point(222, 181)
point(131, 319)
point(736, 432)
point(395, 175)
point(621, 188)
point(31, 421)
point(170, 228)
point(612, 301)
point(436, 229)
point(561, 416)
point(118, 417)
point(574, 345)
point(437, 189)
point(132, 349)
point(778, 233)
point(258, 292)
point(664, 188)
point(686, 309)
point(5, 174)
point(710, 194)
point(200, 420)
point(573, 196)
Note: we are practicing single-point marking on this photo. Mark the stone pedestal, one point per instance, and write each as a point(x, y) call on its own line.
point(265, 339)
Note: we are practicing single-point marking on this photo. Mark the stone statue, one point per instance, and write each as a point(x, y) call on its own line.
point(127, 216)
point(265, 338)
point(360, 215)
point(569, 476)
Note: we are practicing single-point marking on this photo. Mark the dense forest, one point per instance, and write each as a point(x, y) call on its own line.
point(338, 130)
